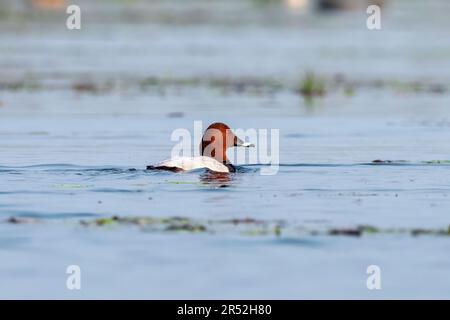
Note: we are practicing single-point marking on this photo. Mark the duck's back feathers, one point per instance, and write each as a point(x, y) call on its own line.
point(191, 163)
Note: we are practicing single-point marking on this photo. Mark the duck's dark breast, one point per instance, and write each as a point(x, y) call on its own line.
point(230, 167)
point(166, 168)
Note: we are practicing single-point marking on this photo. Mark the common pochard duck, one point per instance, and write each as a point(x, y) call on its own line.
point(218, 137)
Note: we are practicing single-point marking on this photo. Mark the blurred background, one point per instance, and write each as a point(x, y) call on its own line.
point(80, 108)
point(254, 63)
point(181, 56)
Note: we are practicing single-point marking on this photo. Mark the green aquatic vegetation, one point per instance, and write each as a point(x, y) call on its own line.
point(24, 85)
point(437, 162)
point(312, 85)
point(255, 232)
point(105, 221)
point(367, 229)
point(150, 223)
point(190, 227)
point(225, 85)
point(244, 226)
point(149, 82)
point(175, 220)
point(417, 87)
point(277, 230)
point(433, 232)
point(236, 221)
point(349, 91)
point(139, 221)
point(29, 83)
point(403, 86)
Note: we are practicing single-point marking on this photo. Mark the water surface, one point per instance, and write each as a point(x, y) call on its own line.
point(82, 114)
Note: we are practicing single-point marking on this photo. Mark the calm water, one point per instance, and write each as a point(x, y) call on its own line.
point(71, 153)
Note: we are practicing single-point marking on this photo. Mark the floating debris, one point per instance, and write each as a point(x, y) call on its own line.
point(186, 227)
point(437, 88)
point(436, 232)
point(437, 162)
point(175, 114)
point(253, 227)
point(346, 5)
point(310, 85)
point(22, 220)
point(392, 162)
point(240, 226)
point(85, 87)
point(71, 186)
point(354, 232)
point(379, 161)
point(345, 232)
point(403, 162)
point(239, 221)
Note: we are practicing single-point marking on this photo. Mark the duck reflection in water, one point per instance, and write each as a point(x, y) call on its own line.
point(218, 179)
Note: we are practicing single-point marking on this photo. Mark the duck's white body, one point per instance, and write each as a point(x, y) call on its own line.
point(217, 138)
point(192, 163)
